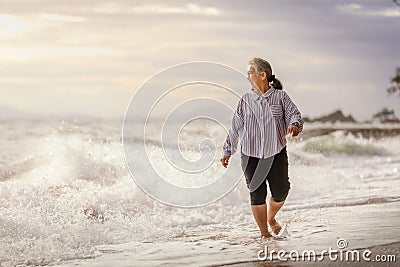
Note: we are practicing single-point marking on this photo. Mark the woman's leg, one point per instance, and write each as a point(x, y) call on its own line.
point(260, 215)
point(279, 184)
point(257, 197)
point(273, 208)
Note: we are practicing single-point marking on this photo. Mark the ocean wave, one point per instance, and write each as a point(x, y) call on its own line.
point(63, 159)
point(17, 168)
point(70, 192)
point(340, 143)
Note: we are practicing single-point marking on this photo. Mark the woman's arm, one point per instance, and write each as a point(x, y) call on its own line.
point(232, 139)
point(292, 113)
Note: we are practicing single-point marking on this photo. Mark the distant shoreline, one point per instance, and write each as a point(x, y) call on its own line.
point(373, 132)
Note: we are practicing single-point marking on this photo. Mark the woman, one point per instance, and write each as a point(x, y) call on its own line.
point(262, 119)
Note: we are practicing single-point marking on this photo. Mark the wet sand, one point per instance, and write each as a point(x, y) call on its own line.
point(311, 229)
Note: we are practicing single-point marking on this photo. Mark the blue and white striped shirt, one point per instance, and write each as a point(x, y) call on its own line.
point(261, 123)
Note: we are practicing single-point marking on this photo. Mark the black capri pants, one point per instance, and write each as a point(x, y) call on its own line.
point(277, 177)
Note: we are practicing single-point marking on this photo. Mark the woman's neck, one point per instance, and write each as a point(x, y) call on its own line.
point(265, 87)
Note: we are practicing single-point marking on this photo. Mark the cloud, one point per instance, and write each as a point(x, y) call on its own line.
point(358, 10)
point(17, 26)
point(188, 9)
point(320, 49)
point(60, 18)
point(389, 12)
point(11, 24)
point(25, 54)
point(351, 6)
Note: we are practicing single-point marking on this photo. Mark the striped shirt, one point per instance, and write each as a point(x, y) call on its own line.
point(261, 123)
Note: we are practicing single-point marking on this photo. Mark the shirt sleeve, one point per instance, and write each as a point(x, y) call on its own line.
point(292, 113)
point(232, 139)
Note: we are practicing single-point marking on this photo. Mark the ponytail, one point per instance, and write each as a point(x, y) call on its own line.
point(277, 84)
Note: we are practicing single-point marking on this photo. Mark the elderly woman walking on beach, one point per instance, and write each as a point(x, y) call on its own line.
point(263, 118)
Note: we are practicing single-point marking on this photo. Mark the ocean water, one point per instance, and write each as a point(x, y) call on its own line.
point(65, 190)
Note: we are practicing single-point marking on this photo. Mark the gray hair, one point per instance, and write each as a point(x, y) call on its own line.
point(260, 65)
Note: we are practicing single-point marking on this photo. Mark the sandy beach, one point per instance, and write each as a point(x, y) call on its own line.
point(315, 230)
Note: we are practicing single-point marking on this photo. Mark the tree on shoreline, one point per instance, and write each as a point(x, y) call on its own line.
point(386, 115)
point(395, 88)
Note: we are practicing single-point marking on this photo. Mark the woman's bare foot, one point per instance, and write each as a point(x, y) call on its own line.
point(266, 235)
point(275, 227)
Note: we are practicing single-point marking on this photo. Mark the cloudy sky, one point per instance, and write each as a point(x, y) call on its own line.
point(89, 57)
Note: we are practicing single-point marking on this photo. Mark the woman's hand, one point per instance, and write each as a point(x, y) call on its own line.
point(294, 130)
point(225, 161)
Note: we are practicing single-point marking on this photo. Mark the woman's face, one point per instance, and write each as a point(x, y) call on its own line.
point(254, 78)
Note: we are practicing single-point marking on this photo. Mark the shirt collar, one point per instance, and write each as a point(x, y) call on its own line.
point(265, 95)
point(269, 92)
